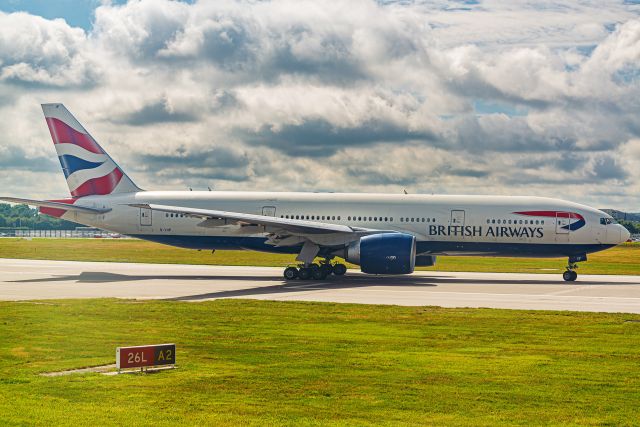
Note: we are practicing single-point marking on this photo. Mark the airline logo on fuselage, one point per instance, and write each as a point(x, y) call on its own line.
point(576, 221)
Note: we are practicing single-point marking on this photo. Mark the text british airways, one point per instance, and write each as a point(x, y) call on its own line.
point(491, 231)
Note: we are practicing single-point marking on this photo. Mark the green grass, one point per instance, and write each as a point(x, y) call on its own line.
point(624, 259)
point(293, 363)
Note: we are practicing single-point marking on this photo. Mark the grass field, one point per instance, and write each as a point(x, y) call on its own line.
point(290, 363)
point(624, 259)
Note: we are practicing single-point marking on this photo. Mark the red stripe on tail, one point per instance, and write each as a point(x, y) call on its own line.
point(99, 186)
point(61, 133)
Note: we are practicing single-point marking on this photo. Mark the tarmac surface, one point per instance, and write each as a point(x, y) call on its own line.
point(35, 279)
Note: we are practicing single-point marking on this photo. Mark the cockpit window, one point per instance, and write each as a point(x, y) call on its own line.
point(606, 221)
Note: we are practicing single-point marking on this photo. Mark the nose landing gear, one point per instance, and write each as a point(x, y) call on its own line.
point(570, 275)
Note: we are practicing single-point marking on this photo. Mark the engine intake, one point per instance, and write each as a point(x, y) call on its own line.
point(385, 253)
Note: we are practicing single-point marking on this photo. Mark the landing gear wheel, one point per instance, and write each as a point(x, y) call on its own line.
point(290, 273)
point(339, 269)
point(570, 275)
point(304, 273)
point(319, 273)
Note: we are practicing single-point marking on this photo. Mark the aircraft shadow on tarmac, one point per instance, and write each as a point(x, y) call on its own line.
point(349, 281)
point(362, 281)
point(102, 277)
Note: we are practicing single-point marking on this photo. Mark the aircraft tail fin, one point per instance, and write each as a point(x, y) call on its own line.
point(88, 169)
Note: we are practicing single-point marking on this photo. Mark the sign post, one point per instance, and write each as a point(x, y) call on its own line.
point(145, 356)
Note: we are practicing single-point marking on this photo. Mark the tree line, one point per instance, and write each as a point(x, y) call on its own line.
point(632, 226)
point(23, 217)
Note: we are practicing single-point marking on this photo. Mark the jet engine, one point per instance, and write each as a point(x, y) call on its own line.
point(384, 253)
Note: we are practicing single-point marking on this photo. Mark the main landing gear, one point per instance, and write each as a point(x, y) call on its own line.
point(314, 271)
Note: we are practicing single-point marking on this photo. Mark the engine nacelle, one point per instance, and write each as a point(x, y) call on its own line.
point(385, 253)
point(425, 260)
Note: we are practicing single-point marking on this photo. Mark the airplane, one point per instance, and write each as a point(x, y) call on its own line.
point(382, 233)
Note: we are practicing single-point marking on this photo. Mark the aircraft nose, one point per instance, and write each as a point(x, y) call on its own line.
point(624, 234)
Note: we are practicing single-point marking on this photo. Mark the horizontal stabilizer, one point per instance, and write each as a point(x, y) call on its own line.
point(54, 205)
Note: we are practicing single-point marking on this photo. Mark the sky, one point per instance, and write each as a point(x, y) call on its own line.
point(432, 96)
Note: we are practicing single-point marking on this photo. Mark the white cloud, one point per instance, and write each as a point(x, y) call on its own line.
point(437, 96)
point(36, 51)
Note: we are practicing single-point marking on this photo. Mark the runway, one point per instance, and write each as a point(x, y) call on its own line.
point(35, 279)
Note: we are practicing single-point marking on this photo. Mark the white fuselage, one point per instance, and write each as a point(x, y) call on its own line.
point(461, 225)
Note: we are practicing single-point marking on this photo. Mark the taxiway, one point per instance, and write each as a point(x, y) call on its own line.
point(36, 279)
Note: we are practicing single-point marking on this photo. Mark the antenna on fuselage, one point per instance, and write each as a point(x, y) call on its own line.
point(405, 191)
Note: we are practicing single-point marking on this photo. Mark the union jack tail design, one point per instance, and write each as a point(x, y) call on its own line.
point(87, 167)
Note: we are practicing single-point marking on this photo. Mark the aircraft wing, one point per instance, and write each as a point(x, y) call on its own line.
point(54, 205)
point(292, 225)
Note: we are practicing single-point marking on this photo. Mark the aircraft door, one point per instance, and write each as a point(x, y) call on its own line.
point(269, 211)
point(563, 219)
point(562, 234)
point(145, 216)
point(457, 219)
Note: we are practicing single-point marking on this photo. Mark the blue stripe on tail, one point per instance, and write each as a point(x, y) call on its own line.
point(71, 164)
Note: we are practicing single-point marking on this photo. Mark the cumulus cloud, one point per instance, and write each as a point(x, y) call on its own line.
point(36, 51)
point(359, 95)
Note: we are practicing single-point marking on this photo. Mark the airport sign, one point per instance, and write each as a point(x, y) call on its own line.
point(145, 356)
